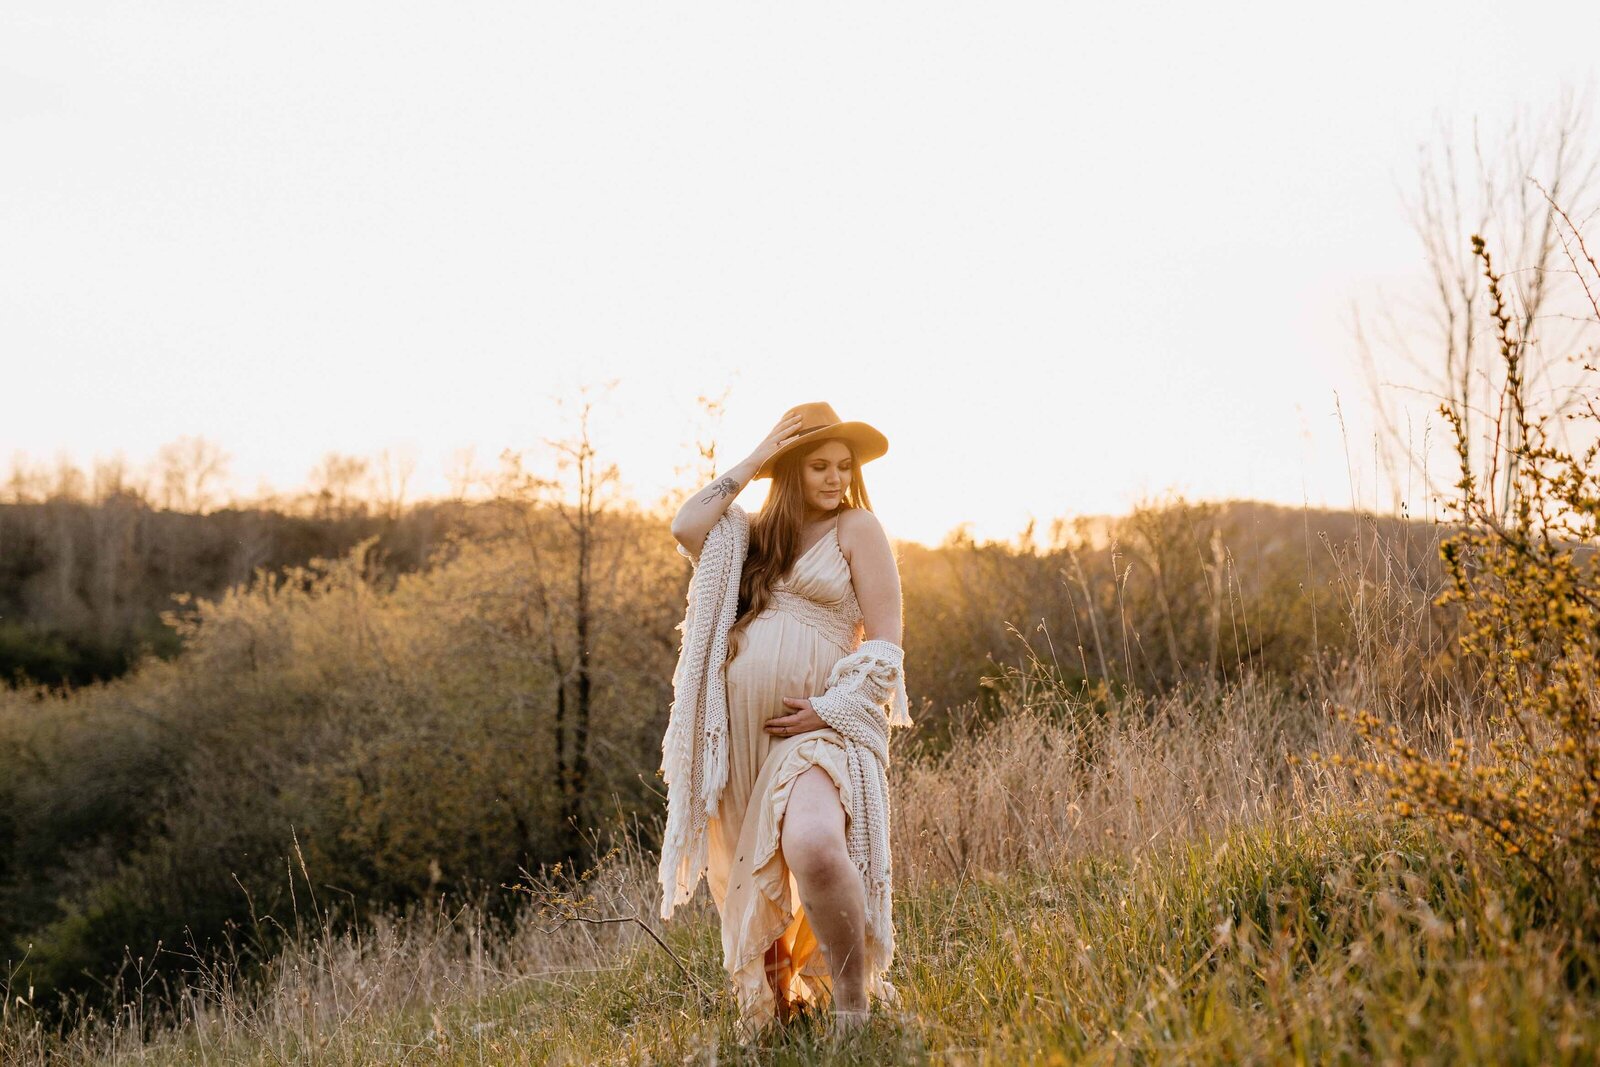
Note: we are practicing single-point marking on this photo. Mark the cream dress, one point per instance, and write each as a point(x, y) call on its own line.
point(768, 947)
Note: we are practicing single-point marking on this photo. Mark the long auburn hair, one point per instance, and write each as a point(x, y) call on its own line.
point(775, 533)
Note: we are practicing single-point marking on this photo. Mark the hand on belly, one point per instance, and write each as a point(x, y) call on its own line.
point(799, 719)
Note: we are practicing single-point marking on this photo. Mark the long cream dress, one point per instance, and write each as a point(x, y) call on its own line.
point(768, 947)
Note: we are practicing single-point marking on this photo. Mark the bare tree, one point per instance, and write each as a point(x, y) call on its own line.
point(590, 480)
point(713, 409)
point(461, 471)
point(189, 470)
point(394, 470)
point(698, 468)
point(113, 479)
point(27, 483)
point(335, 482)
point(114, 521)
point(562, 583)
point(702, 467)
point(1441, 349)
point(70, 483)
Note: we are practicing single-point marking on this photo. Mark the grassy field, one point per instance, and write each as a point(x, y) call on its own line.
point(1083, 880)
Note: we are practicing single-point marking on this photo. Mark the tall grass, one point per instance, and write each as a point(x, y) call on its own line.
point(1083, 879)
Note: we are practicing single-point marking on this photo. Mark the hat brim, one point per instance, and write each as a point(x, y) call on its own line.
point(869, 444)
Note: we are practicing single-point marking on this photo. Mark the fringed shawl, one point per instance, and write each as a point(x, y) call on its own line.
point(694, 750)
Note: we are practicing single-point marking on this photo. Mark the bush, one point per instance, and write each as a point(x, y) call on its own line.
point(1523, 571)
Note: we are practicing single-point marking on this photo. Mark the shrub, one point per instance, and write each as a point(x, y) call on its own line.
point(1523, 571)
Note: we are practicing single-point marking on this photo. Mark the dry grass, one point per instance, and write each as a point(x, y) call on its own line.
point(1079, 881)
point(1062, 775)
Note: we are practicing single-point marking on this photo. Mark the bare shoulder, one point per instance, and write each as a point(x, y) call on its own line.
point(860, 529)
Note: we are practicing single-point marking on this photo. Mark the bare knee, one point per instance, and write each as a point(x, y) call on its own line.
point(816, 858)
point(813, 829)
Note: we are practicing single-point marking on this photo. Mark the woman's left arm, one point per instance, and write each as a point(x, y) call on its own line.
point(874, 573)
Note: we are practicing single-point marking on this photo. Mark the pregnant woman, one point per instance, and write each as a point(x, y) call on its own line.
point(776, 750)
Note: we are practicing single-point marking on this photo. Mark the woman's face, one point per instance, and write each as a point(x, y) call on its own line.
point(825, 474)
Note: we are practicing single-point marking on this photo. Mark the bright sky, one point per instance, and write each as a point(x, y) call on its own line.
point(1062, 255)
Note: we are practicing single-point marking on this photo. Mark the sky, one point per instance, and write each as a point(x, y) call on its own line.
point(1066, 257)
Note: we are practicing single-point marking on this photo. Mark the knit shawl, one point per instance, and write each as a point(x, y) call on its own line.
point(695, 747)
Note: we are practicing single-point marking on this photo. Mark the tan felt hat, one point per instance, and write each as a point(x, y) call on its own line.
point(819, 422)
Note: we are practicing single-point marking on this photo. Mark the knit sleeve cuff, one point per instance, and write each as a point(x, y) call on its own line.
point(875, 672)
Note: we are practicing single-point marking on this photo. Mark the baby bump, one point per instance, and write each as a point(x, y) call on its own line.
point(776, 657)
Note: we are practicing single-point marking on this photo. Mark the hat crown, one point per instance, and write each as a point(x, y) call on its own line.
point(813, 417)
point(818, 419)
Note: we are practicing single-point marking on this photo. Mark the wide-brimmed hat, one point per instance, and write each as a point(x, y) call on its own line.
point(819, 422)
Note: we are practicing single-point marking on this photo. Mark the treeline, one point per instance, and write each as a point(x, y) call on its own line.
point(89, 558)
point(83, 584)
point(376, 735)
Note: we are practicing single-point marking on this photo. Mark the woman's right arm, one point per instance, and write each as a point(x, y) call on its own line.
point(702, 510)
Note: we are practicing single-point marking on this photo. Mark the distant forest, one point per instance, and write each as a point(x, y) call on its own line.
point(83, 585)
point(1140, 598)
point(89, 559)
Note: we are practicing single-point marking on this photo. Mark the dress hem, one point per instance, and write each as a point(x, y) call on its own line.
point(777, 890)
point(812, 981)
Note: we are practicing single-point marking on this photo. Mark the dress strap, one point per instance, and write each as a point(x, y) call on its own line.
point(833, 531)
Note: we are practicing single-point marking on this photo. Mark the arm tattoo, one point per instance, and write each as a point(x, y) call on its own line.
point(726, 487)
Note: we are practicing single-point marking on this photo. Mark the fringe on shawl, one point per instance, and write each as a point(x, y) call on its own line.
point(860, 685)
point(694, 760)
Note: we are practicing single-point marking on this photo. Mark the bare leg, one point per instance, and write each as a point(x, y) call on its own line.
point(830, 886)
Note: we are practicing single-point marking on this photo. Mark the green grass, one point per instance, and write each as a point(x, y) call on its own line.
point(1329, 941)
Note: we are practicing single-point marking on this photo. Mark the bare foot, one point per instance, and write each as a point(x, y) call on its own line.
point(848, 1020)
point(844, 998)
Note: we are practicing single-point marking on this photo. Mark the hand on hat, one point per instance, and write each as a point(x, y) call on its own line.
point(781, 433)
